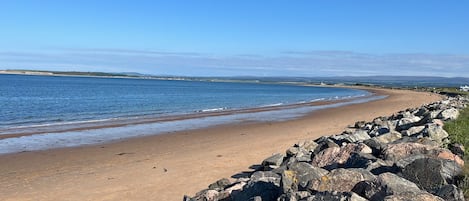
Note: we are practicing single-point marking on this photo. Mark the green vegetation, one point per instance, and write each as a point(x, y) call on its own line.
point(452, 91)
point(458, 131)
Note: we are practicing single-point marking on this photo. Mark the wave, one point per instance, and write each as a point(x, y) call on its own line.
point(272, 105)
point(212, 109)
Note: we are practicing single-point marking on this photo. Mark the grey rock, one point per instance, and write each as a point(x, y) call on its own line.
point(413, 131)
point(381, 166)
point(450, 193)
point(359, 160)
point(267, 191)
point(435, 132)
point(341, 180)
point(220, 184)
point(388, 137)
point(305, 172)
point(376, 146)
point(292, 150)
point(449, 114)
point(266, 176)
point(308, 145)
point(357, 136)
point(413, 196)
point(430, 173)
point(335, 196)
point(359, 124)
point(325, 143)
point(275, 160)
point(407, 122)
point(208, 195)
point(385, 184)
point(303, 156)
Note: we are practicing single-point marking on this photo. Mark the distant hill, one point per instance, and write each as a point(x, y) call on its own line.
point(397, 81)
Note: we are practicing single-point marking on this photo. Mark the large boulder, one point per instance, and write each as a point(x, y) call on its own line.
point(388, 137)
point(357, 136)
point(431, 173)
point(449, 114)
point(435, 132)
point(266, 191)
point(383, 185)
point(304, 172)
point(399, 151)
point(333, 157)
point(274, 160)
point(407, 122)
point(341, 180)
point(413, 131)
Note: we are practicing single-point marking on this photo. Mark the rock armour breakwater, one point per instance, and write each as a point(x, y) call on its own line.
point(400, 157)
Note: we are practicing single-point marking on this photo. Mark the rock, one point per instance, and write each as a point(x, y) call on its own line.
point(341, 180)
point(388, 137)
point(385, 184)
point(331, 158)
point(430, 173)
point(357, 136)
point(407, 122)
point(399, 151)
point(292, 151)
point(450, 193)
point(335, 196)
point(308, 145)
point(448, 114)
point(359, 160)
point(235, 187)
point(413, 131)
point(266, 176)
point(208, 195)
point(305, 172)
point(220, 184)
point(324, 143)
point(267, 191)
point(359, 124)
point(376, 146)
point(435, 132)
point(275, 160)
point(457, 149)
point(413, 196)
point(381, 166)
point(303, 156)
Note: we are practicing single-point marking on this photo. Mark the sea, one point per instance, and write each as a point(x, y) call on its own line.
point(44, 112)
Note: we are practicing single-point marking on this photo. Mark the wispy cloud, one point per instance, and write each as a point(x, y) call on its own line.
point(288, 63)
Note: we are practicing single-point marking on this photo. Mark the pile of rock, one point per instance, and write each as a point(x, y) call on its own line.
point(401, 157)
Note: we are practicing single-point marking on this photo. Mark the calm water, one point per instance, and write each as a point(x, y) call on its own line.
point(61, 111)
point(38, 100)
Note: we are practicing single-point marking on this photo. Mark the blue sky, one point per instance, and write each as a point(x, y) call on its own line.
point(229, 38)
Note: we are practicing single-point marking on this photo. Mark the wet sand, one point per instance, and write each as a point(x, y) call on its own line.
point(165, 167)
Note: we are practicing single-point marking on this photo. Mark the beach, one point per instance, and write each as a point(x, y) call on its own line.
point(167, 166)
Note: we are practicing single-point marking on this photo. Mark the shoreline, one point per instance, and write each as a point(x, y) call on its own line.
point(29, 130)
point(167, 166)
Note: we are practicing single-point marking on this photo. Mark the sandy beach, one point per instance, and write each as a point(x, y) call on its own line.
point(165, 167)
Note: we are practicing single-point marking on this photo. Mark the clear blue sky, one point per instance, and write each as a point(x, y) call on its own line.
point(267, 38)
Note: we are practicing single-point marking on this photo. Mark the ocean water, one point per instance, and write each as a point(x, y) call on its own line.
point(44, 104)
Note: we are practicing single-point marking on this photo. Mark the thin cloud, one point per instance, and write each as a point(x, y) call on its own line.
point(292, 63)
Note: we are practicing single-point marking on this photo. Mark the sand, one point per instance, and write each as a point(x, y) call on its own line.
point(167, 166)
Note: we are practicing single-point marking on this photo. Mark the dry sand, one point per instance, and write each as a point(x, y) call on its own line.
point(165, 167)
